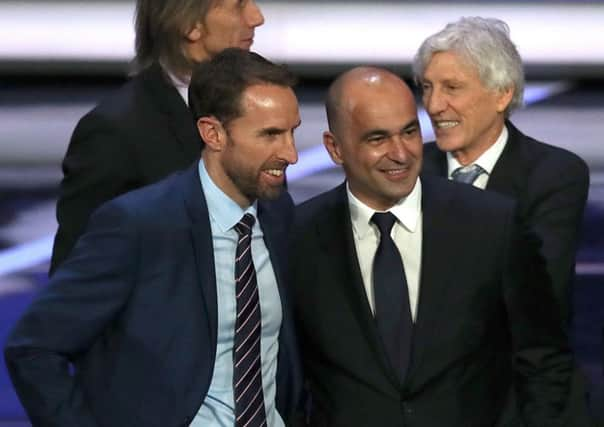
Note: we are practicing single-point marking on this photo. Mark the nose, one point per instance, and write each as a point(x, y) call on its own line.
point(434, 101)
point(289, 152)
point(254, 17)
point(397, 149)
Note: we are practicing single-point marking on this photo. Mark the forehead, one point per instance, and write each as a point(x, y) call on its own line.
point(383, 107)
point(266, 96)
point(266, 105)
point(450, 65)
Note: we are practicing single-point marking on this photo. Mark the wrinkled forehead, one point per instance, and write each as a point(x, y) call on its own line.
point(451, 64)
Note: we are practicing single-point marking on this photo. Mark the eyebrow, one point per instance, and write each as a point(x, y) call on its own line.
point(448, 81)
point(270, 131)
point(384, 132)
point(374, 132)
point(273, 130)
point(411, 124)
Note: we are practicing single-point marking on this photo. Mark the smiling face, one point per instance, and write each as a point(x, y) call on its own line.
point(467, 117)
point(228, 23)
point(377, 139)
point(247, 157)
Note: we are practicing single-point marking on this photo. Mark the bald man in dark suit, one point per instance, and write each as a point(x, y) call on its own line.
point(419, 302)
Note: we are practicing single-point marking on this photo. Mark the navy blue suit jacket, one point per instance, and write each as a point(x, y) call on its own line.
point(133, 309)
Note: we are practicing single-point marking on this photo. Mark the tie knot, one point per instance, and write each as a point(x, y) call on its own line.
point(384, 221)
point(467, 174)
point(245, 224)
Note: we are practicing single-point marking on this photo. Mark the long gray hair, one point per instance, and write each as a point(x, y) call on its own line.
point(160, 27)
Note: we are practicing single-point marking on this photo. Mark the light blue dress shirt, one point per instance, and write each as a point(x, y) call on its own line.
point(218, 408)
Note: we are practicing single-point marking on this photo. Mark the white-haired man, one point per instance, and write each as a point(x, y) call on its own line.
point(472, 79)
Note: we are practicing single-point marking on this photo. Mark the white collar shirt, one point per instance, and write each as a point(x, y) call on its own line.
point(486, 160)
point(181, 85)
point(406, 233)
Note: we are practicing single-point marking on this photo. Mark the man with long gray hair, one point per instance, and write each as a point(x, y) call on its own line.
point(472, 79)
point(145, 131)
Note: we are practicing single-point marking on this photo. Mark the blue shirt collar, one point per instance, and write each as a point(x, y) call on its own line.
point(223, 210)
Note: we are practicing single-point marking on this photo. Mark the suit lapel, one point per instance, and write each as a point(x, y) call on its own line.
point(275, 222)
point(438, 243)
point(201, 235)
point(178, 117)
point(508, 175)
point(275, 239)
point(337, 241)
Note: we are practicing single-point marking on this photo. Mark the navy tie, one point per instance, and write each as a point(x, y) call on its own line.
point(467, 174)
point(392, 308)
point(247, 378)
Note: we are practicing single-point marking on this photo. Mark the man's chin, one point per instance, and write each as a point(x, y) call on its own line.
point(270, 193)
point(449, 144)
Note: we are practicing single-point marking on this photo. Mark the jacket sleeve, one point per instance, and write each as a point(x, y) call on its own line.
point(68, 317)
point(97, 167)
point(558, 197)
point(542, 358)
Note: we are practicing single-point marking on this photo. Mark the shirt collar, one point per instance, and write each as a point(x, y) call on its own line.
point(487, 159)
point(222, 209)
point(181, 85)
point(407, 211)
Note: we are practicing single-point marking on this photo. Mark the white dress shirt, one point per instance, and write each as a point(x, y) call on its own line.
point(182, 86)
point(406, 233)
point(486, 160)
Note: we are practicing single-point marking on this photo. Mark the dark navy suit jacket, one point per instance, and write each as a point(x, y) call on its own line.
point(133, 311)
point(550, 186)
point(474, 298)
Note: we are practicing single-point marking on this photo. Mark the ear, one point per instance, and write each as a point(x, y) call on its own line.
point(333, 147)
point(195, 33)
point(504, 97)
point(212, 133)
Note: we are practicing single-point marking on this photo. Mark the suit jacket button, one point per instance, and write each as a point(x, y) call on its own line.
point(407, 409)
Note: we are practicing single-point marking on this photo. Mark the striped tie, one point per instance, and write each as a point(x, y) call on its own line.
point(247, 378)
point(467, 174)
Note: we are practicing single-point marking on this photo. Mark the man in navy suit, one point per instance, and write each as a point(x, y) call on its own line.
point(138, 327)
point(408, 289)
point(144, 131)
point(472, 80)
